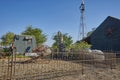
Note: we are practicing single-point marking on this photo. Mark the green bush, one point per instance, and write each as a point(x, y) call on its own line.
point(5, 52)
point(80, 46)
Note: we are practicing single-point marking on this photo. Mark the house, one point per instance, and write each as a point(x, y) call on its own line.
point(107, 36)
point(24, 43)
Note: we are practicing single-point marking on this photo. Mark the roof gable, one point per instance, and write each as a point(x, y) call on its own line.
point(107, 35)
point(109, 22)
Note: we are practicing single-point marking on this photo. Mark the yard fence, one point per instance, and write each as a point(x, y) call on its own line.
point(58, 64)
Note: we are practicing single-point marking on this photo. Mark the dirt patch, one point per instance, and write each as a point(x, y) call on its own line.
point(42, 69)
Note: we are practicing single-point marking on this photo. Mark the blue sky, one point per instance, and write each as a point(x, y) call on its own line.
point(52, 16)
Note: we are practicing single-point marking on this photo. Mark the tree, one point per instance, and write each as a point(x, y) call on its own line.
point(7, 39)
point(68, 40)
point(0, 42)
point(39, 36)
point(65, 38)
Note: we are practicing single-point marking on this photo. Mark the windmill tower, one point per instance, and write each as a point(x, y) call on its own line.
point(82, 25)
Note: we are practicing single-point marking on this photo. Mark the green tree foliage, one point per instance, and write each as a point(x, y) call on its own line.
point(39, 36)
point(67, 40)
point(7, 39)
point(80, 45)
point(0, 42)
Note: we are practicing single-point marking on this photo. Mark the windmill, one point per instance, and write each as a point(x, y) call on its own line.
point(82, 25)
point(82, 10)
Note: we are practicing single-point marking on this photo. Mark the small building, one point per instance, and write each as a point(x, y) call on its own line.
point(24, 43)
point(107, 36)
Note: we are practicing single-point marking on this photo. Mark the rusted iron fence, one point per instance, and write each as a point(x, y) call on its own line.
point(57, 64)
